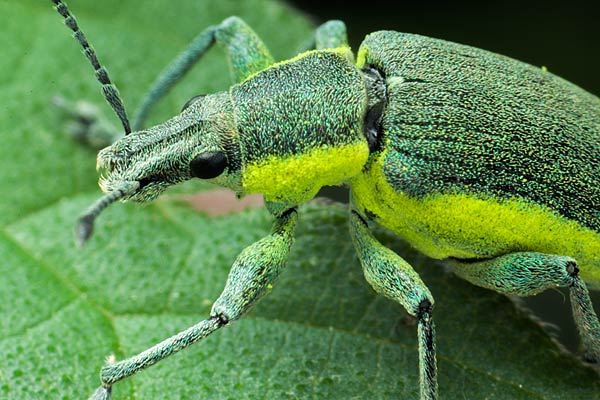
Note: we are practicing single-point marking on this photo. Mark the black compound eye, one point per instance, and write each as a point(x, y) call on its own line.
point(208, 165)
point(192, 101)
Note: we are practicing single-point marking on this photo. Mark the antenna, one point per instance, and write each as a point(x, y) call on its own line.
point(85, 223)
point(109, 90)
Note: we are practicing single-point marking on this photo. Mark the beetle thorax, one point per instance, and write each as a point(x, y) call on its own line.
point(301, 125)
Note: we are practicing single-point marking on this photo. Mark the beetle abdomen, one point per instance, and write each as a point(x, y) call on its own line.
point(482, 154)
point(469, 226)
point(464, 120)
point(300, 125)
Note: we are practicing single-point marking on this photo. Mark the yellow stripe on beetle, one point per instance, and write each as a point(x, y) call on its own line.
point(464, 225)
point(297, 178)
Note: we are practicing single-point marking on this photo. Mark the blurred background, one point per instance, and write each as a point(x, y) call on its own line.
point(563, 36)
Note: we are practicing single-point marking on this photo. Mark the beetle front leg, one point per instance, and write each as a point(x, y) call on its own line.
point(246, 53)
point(251, 278)
point(394, 278)
point(529, 273)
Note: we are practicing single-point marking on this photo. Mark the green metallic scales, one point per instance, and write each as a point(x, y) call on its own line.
point(316, 99)
point(470, 156)
point(465, 120)
point(300, 125)
point(159, 156)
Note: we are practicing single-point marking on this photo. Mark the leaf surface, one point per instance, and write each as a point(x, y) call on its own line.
point(152, 271)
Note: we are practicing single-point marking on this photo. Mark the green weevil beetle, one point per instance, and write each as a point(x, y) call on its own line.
point(472, 157)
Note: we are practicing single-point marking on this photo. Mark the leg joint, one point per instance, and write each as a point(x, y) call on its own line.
point(220, 318)
point(424, 309)
point(360, 217)
point(572, 268)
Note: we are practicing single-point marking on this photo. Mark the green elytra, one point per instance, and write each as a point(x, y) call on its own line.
point(472, 157)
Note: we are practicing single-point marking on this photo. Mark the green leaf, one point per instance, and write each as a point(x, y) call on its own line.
point(150, 272)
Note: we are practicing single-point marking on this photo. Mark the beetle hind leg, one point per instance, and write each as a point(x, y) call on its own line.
point(529, 273)
point(586, 320)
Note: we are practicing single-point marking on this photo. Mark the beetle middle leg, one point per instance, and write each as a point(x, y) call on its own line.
point(394, 278)
point(529, 273)
point(251, 278)
point(331, 34)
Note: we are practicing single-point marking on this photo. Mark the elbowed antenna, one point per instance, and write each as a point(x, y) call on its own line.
point(85, 223)
point(109, 90)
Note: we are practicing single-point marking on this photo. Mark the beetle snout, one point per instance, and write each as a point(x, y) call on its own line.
point(108, 160)
point(121, 152)
point(153, 168)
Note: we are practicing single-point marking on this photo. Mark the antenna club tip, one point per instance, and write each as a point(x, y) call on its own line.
point(84, 229)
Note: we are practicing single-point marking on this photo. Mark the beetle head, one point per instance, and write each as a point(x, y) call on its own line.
point(198, 143)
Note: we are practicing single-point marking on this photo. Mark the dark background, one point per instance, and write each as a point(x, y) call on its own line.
point(562, 36)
